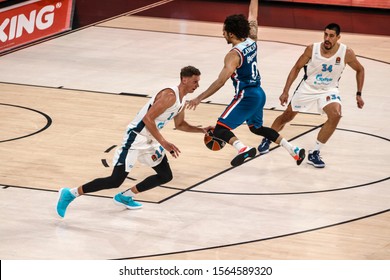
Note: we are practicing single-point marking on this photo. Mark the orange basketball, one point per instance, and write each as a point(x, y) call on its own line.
point(213, 143)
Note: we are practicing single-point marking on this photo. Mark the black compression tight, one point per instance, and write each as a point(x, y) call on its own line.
point(116, 179)
point(119, 174)
point(164, 175)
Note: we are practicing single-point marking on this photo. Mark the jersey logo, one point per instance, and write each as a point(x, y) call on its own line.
point(320, 80)
point(158, 153)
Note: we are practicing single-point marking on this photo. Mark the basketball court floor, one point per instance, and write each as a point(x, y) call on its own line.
point(65, 104)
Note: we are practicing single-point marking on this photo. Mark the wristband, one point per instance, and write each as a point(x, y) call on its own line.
point(359, 93)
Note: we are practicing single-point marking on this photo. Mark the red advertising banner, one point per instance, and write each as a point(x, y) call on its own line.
point(383, 4)
point(30, 21)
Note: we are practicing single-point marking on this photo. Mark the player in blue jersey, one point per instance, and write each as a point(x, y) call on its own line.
point(143, 142)
point(323, 63)
point(240, 65)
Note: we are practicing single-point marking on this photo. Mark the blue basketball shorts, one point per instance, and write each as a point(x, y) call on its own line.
point(246, 106)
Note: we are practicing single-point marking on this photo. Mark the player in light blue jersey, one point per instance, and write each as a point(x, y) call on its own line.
point(240, 65)
point(323, 63)
point(143, 142)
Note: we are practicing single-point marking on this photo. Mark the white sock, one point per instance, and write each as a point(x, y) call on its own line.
point(238, 145)
point(128, 193)
point(290, 148)
point(317, 146)
point(75, 192)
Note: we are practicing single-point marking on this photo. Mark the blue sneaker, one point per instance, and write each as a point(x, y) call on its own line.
point(243, 154)
point(126, 201)
point(65, 198)
point(314, 159)
point(264, 146)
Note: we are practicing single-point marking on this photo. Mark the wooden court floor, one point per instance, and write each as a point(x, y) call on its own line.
point(65, 104)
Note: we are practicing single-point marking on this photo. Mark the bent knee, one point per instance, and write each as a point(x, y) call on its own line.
point(165, 178)
point(334, 115)
point(113, 184)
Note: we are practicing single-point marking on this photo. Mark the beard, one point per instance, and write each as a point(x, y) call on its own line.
point(328, 45)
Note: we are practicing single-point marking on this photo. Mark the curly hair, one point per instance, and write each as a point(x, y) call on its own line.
point(237, 25)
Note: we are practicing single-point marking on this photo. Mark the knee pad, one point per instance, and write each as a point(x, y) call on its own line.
point(267, 132)
point(223, 133)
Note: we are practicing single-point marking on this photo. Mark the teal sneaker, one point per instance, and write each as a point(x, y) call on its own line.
point(243, 154)
point(64, 199)
point(126, 201)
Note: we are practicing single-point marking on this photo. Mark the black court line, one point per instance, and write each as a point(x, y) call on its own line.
point(217, 36)
point(133, 94)
point(293, 193)
point(75, 89)
point(6, 186)
point(131, 13)
point(225, 245)
point(228, 169)
point(190, 189)
point(258, 240)
point(47, 117)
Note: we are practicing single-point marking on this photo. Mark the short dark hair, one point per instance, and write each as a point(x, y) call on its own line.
point(237, 25)
point(189, 71)
point(335, 27)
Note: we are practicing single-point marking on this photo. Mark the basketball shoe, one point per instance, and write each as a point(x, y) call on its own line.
point(65, 198)
point(126, 201)
point(299, 155)
point(264, 146)
point(314, 159)
point(243, 154)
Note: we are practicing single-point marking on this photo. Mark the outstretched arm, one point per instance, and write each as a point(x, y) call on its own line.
point(183, 125)
point(232, 61)
point(252, 18)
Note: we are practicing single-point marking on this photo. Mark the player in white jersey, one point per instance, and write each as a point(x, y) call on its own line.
point(144, 142)
point(324, 63)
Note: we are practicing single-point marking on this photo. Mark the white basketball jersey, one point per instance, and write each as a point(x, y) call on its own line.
point(323, 73)
point(138, 125)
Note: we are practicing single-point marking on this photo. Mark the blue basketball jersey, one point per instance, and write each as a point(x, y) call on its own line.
point(248, 102)
point(247, 73)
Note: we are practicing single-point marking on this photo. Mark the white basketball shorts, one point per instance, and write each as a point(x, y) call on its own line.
point(305, 99)
point(147, 151)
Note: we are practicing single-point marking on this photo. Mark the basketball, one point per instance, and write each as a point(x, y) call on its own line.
point(213, 143)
